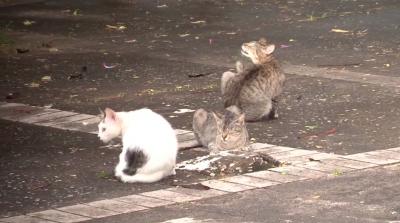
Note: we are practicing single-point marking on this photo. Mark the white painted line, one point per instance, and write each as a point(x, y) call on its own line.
point(171, 196)
point(87, 211)
point(226, 186)
point(144, 201)
point(59, 216)
point(250, 181)
point(343, 75)
point(116, 206)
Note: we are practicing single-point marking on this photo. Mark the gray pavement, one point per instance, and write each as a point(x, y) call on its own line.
point(367, 196)
point(341, 97)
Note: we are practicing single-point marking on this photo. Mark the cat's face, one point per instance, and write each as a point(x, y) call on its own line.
point(232, 134)
point(109, 126)
point(258, 51)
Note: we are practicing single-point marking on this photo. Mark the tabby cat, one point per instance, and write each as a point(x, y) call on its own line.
point(255, 90)
point(228, 132)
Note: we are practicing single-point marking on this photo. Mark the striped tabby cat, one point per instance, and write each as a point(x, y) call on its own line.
point(255, 90)
point(228, 132)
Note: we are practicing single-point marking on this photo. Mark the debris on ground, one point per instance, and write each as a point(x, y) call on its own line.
point(109, 66)
point(12, 95)
point(116, 27)
point(22, 50)
point(229, 163)
point(183, 110)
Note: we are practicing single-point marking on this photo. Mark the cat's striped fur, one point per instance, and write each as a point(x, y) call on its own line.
point(255, 90)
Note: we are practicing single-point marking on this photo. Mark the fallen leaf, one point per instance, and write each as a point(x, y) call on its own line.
point(29, 22)
point(117, 27)
point(109, 66)
point(34, 85)
point(184, 35)
point(131, 41)
point(198, 22)
point(46, 78)
point(76, 12)
point(339, 31)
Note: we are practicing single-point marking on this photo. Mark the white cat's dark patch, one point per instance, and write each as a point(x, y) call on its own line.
point(135, 159)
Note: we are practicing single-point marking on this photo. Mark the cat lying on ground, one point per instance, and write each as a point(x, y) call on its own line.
point(228, 132)
point(255, 90)
point(149, 144)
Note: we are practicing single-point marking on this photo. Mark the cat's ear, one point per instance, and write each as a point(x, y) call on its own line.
point(110, 114)
point(262, 41)
point(269, 49)
point(217, 118)
point(102, 114)
point(241, 118)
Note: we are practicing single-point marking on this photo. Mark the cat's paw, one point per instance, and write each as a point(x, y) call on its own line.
point(173, 172)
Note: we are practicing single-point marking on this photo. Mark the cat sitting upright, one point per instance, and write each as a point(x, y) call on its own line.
point(149, 144)
point(255, 90)
point(228, 132)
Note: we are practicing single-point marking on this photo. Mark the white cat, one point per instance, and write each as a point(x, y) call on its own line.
point(149, 144)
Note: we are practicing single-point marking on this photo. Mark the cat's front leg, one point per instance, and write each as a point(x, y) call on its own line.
point(213, 148)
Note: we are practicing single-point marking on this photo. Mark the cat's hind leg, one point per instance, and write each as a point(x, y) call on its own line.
point(256, 111)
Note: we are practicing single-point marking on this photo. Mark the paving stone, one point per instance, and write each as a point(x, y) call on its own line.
point(371, 159)
point(24, 219)
point(385, 154)
point(324, 167)
point(282, 156)
point(74, 118)
point(188, 144)
point(274, 149)
point(226, 186)
point(116, 206)
point(259, 146)
point(299, 171)
point(43, 116)
point(144, 201)
point(397, 149)
point(250, 181)
point(170, 195)
point(186, 137)
point(88, 211)
point(199, 193)
point(59, 216)
point(275, 176)
point(308, 158)
point(354, 164)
